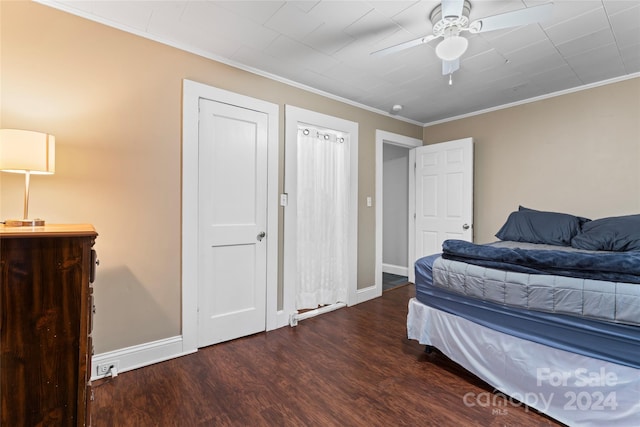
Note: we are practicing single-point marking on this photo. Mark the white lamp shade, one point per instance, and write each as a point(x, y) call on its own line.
point(24, 151)
point(452, 48)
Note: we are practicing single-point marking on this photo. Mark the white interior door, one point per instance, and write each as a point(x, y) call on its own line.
point(232, 220)
point(444, 195)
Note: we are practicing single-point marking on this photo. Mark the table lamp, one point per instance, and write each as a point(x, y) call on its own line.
point(27, 152)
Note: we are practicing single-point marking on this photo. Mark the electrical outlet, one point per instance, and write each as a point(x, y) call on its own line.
point(108, 368)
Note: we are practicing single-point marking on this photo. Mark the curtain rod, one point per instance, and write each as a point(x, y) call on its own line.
point(324, 134)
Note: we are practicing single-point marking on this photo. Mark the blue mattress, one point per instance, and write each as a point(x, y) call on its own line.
point(613, 342)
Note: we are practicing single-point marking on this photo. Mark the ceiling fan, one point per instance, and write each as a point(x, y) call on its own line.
point(451, 18)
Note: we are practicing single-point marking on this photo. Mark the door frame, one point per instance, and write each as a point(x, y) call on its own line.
point(294, 116)
point(384, 137)
point(192, 92)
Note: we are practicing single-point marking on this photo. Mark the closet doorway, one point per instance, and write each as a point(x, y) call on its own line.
point(321, 213)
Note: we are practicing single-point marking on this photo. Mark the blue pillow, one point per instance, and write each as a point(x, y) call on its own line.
point(551, 228)
point(580, 218)
point(616, 233)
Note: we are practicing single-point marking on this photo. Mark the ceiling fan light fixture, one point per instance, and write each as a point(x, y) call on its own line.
point(452, 48)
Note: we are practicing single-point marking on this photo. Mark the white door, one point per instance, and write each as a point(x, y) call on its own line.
point(232, 217)
point(443, 195)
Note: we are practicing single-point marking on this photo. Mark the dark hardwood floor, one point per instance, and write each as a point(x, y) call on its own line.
point(390, 281)
point(350, 367)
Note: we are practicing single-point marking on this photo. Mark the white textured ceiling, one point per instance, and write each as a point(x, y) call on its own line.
point(326, 45)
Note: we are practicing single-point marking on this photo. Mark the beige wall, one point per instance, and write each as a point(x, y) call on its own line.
point(113, 101)
point(577, 153)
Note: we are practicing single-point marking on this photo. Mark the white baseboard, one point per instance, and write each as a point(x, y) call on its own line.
point(395, 269)
point(138, 356)
point(365, 294)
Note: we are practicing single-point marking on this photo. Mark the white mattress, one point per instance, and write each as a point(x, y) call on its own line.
point(576, 390)
point(597, 299)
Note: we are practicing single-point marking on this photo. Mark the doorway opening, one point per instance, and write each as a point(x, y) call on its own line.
point(392, 176)
point(395, 215)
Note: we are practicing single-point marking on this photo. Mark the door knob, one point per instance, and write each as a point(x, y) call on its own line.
point(260, 236)
point(465, 226)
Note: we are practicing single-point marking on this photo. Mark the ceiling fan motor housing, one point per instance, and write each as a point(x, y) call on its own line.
point(441, 24)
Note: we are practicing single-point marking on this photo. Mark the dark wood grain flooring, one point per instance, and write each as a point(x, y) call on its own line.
point(350, 367)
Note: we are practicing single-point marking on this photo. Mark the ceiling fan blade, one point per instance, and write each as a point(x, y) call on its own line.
point(516, 18)
point(448, 67)
point(452, 8)
point(403, 46)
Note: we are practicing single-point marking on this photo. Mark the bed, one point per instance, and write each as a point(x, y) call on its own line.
point(549, 315)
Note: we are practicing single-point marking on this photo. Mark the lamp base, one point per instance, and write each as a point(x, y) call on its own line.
point(24, 222)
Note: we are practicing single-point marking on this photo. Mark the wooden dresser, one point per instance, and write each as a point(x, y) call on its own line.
point(46, 305)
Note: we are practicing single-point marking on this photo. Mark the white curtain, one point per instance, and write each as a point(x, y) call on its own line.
point(322, 213)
